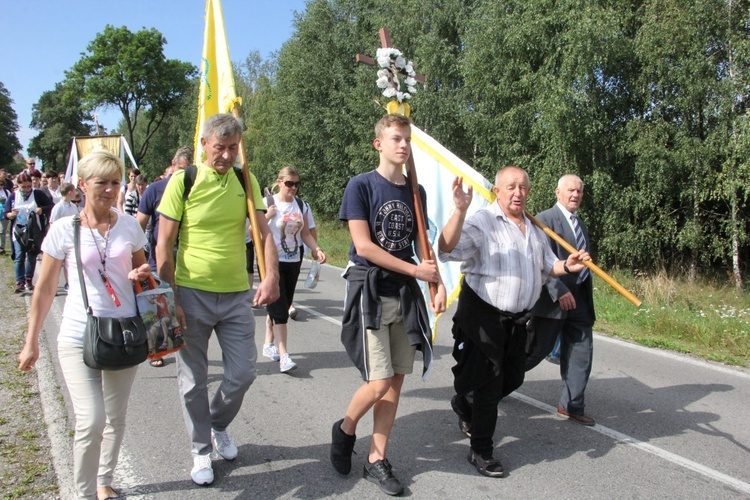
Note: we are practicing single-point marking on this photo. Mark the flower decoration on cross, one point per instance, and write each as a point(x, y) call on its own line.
point(396, 75)
point(395, 70)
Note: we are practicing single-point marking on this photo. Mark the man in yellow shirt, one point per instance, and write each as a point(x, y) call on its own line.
point(211, 294)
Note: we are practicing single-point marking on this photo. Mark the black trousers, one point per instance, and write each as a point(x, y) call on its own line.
point(482, 402)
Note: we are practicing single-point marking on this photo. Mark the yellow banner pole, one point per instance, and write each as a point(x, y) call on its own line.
point(257, 237)
point(594, 268)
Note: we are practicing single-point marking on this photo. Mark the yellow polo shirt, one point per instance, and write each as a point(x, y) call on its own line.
point(211, 255)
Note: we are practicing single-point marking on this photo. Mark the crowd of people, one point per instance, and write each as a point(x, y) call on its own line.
point(191, 229)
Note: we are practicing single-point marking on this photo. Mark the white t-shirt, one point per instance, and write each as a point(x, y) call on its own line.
point(63, 209)
point(126, 237)
point(56, 195)
point(286, 226)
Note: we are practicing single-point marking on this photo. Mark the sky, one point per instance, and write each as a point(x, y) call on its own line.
point(41, 39)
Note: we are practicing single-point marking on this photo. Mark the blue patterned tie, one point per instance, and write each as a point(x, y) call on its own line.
point(580, 245)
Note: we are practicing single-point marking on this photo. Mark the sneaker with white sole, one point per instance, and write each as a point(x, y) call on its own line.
point(286, 364)
point(202, 473)
point(224, 444)
point(271, 351)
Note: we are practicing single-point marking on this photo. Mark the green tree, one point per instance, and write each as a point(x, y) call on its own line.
point(9, 144)
point(128, 71)
point(58, 116)
point(177, 130)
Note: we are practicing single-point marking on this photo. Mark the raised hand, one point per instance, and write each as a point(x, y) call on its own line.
point(461, 198)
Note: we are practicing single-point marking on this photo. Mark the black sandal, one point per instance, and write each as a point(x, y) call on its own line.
point(157, 363)
point(490, 467)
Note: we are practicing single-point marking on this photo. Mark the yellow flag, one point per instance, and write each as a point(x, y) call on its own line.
point(217, 93)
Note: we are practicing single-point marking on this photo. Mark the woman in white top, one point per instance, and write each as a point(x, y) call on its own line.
point(112, 258)
point(289, 229)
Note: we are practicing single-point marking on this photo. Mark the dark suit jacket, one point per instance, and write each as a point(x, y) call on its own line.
point(547, 306)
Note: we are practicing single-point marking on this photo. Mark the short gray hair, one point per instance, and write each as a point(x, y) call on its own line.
point(568, 177)
point(185, 152)
point(221, 125)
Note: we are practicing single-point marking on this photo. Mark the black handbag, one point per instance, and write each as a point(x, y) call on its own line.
point(109, 343)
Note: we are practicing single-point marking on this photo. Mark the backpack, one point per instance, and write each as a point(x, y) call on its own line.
point(191, 171)
point(30, 237)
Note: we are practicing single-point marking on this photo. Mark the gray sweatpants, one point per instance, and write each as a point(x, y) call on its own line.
point(230, 315)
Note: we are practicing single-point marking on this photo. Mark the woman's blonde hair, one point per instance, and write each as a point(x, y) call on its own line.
point(283, 174)
point(99, 163)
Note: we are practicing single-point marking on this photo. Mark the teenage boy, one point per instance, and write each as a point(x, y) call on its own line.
point(385, 318)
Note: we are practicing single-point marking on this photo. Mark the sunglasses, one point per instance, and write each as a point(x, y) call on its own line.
point(292, 184)
point(76, 201)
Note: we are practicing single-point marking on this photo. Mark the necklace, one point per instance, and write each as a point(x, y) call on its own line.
point(103, 256)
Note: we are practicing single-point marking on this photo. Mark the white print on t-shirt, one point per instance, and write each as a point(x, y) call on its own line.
point(394, 223)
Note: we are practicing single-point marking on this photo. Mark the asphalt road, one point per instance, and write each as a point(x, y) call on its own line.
point(668, 426)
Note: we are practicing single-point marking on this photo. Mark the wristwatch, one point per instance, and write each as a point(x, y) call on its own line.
point(565, 267)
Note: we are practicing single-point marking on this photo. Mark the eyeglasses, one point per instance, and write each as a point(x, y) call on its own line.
point(292, 184)
point(76, 201)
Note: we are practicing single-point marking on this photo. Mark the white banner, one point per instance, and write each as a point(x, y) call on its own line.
point(436, 169)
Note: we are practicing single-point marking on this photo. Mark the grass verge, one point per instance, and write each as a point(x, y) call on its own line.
point(26, 468)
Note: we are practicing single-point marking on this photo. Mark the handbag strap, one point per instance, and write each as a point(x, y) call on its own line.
point(79, 266)
point(77, 245)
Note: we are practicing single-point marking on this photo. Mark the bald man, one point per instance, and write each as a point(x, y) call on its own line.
point(505, 261)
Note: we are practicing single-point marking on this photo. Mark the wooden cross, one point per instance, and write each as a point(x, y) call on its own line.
point(385, 42)
point(424, 242)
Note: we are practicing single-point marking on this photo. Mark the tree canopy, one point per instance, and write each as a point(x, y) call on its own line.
point(58, 116)
point(128, 71)
point(646, 100)
point(9, 144)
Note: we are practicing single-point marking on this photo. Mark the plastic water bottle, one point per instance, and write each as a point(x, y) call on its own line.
point(313, 276)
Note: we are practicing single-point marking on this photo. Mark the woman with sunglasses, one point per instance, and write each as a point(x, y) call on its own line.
point(286, 219)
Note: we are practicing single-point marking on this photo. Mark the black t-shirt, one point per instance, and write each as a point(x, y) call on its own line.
point(388, 209)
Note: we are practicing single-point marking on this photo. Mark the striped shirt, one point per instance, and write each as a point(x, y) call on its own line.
point(504, 267)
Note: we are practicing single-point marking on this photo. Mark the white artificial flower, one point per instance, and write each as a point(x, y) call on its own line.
point(394, 64)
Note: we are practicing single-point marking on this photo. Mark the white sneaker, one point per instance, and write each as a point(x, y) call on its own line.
point(271, 351)
point(224, 444)
point(293, 312)
point(202, 473)
point(286, 364)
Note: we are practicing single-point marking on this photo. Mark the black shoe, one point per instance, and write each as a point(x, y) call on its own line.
point(464, 418)
point(489, 467)
point(381, 473)
point(342, 447)
point(20, 287)
point(29, 285)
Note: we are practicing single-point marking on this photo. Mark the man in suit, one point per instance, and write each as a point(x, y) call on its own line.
point(566, 306)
